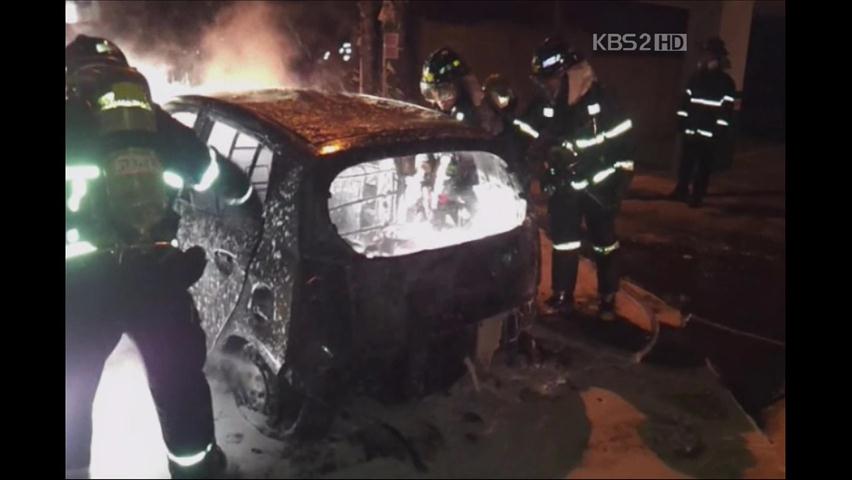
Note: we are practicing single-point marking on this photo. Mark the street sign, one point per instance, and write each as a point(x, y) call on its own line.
point(391, 46)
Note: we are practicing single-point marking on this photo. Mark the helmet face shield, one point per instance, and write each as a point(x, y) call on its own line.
point(550, 65)
point(550, 62)
point(439, 93)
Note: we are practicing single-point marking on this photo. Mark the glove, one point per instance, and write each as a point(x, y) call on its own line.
point(184, 268)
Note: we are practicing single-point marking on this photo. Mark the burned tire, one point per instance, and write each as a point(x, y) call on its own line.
point(255, 389)
point(272, 404)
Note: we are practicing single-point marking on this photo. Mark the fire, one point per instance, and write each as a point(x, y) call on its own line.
point(244, 48)
point(157, 74)
point(221, 78)
point(219, 75)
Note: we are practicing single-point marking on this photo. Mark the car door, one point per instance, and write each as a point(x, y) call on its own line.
point(227, 229)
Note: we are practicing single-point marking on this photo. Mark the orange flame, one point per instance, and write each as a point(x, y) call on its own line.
point(244, 49)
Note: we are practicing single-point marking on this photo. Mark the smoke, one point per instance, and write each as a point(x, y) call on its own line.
point(246, 45)
point(246, 48)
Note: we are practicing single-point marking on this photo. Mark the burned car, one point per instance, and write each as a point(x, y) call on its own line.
point(377, 235)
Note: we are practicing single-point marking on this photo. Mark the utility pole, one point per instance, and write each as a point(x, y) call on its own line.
point(369, 10)
point(392, 17)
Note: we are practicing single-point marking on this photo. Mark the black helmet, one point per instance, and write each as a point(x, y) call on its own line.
point(499, 93)
point(442, 66)
point(715, 46)
point(554, 56)
point(441, 72)
point(86, 50)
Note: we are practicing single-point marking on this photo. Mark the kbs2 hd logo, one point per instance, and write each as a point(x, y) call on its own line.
point(643, 42)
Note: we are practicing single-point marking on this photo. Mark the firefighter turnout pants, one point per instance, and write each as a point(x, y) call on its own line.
point(567, 210)
point(696, 164)
point(105, 299)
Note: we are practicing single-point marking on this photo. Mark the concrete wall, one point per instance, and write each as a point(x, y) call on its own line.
point(648, 87)
point(729, 19)
point(734, 29)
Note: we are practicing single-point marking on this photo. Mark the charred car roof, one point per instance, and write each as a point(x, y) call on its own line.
point(328, 122)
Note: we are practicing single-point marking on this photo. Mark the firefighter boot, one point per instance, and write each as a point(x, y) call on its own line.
point(560, 303)
point(606, 311)
point(211, 465)
point(77, 473)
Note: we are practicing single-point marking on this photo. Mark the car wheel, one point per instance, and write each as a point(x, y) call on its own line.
point(254, 385)
point(272, 404)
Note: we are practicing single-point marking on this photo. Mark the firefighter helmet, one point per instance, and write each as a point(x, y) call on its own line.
point(85, 50)
point(118, 96)
point(442, 66)
point(442, 71)
point(715, 46)
point(554, 56)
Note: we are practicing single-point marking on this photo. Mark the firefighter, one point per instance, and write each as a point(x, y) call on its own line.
point(126, 162)
point(705, 119)
point(500, 95)
point(502, 98)
point(516, 135)
point(587, 166)
point(448, 83)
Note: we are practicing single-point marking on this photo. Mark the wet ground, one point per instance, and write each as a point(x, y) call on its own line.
point(577, 408)
point(724, 262)
point(732, 290)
